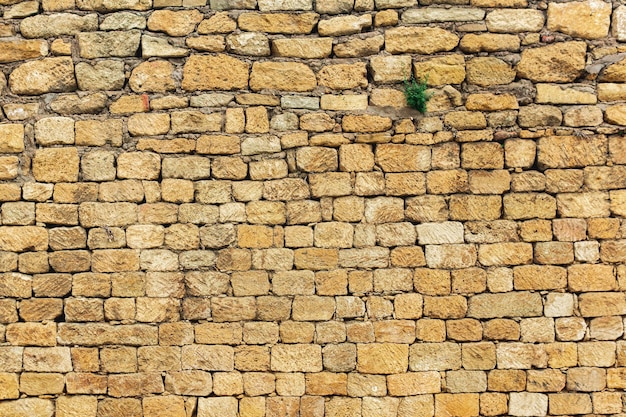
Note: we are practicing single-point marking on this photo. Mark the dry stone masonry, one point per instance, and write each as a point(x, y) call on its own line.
point(224, 208)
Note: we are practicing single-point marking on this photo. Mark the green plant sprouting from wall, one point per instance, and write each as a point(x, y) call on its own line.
point(416, 94)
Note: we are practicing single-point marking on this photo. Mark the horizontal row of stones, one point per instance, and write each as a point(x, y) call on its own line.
point(187, 235)
point(377, 210)
point(434, 284)
point(235, 158)
point(439, 405)
point(187, 370)
point(299, 116)
point(321, 6)
point(587, 365)
point(186, 249)
point(298, 113)
point(559, 324)
point(561, 62)
point(186, 246)
point(588, 19)
point(436, 323)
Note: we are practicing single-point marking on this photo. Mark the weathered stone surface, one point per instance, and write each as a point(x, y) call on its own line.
point(537, 115)
point(159, 47)
point(450, 256)
point(615, 72)
point(108, 44)
point(47, 26)
point(513, 304)
point(615, 114)
point(220, 22)
point(307, 48)
point(102, 76)
point(491, 102)
point(286, 76)
point(153, 76)
point(343, 76)
point(23, 238)
point(27, 407)
point(489, 71)
point(113, 5)
point(561, 62)
point(123, 21)
point(55, 131)
point(232, 4)
point(296, 358)
point(249, 43)
point(73, 104)
point(571, 151)
point(278, 22)
point(174, 23)
point(388, 69)
point(48, 75)
point(205, 73)
point(422, 40)
point(440, 14)
point(619, 23)
point(382, 358)
point(347, 25)
point(583, 19)
point(515, 20)
point(489, 42)
point(272, 5)
point(56, 165)
point(441, 71)
point(20, 10)
point(12, 51)
point(556, 94)
point(11, 138)
point(395, 4)
point(359, 47)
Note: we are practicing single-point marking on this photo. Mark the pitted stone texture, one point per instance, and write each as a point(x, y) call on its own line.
point(108, 44)
point(560, 62)
point(419, 40)
point(47, 26)
point(515, 20)
point(582, 19)
point(206, 73)
point(102, 76)
point(49, 75)
point(12, 51)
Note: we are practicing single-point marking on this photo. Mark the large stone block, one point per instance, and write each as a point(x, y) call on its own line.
point(174, 23)
point(571, 151)
point(108, 44)
point(304, 48)
point(296, 358)
point(56, 165)
point(58, 24)
point(101, 76)
point(12, 51)
point(286, 23)
point(582, 19)
point(559, 62)
point(419, 40)
point(286, 76)
point(27, 407)
point(515, 20)
point(382, 358)
point(207, 73)
point(48, 75)
point(512, 304)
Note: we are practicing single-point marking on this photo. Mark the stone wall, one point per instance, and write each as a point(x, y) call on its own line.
point(227, 209)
